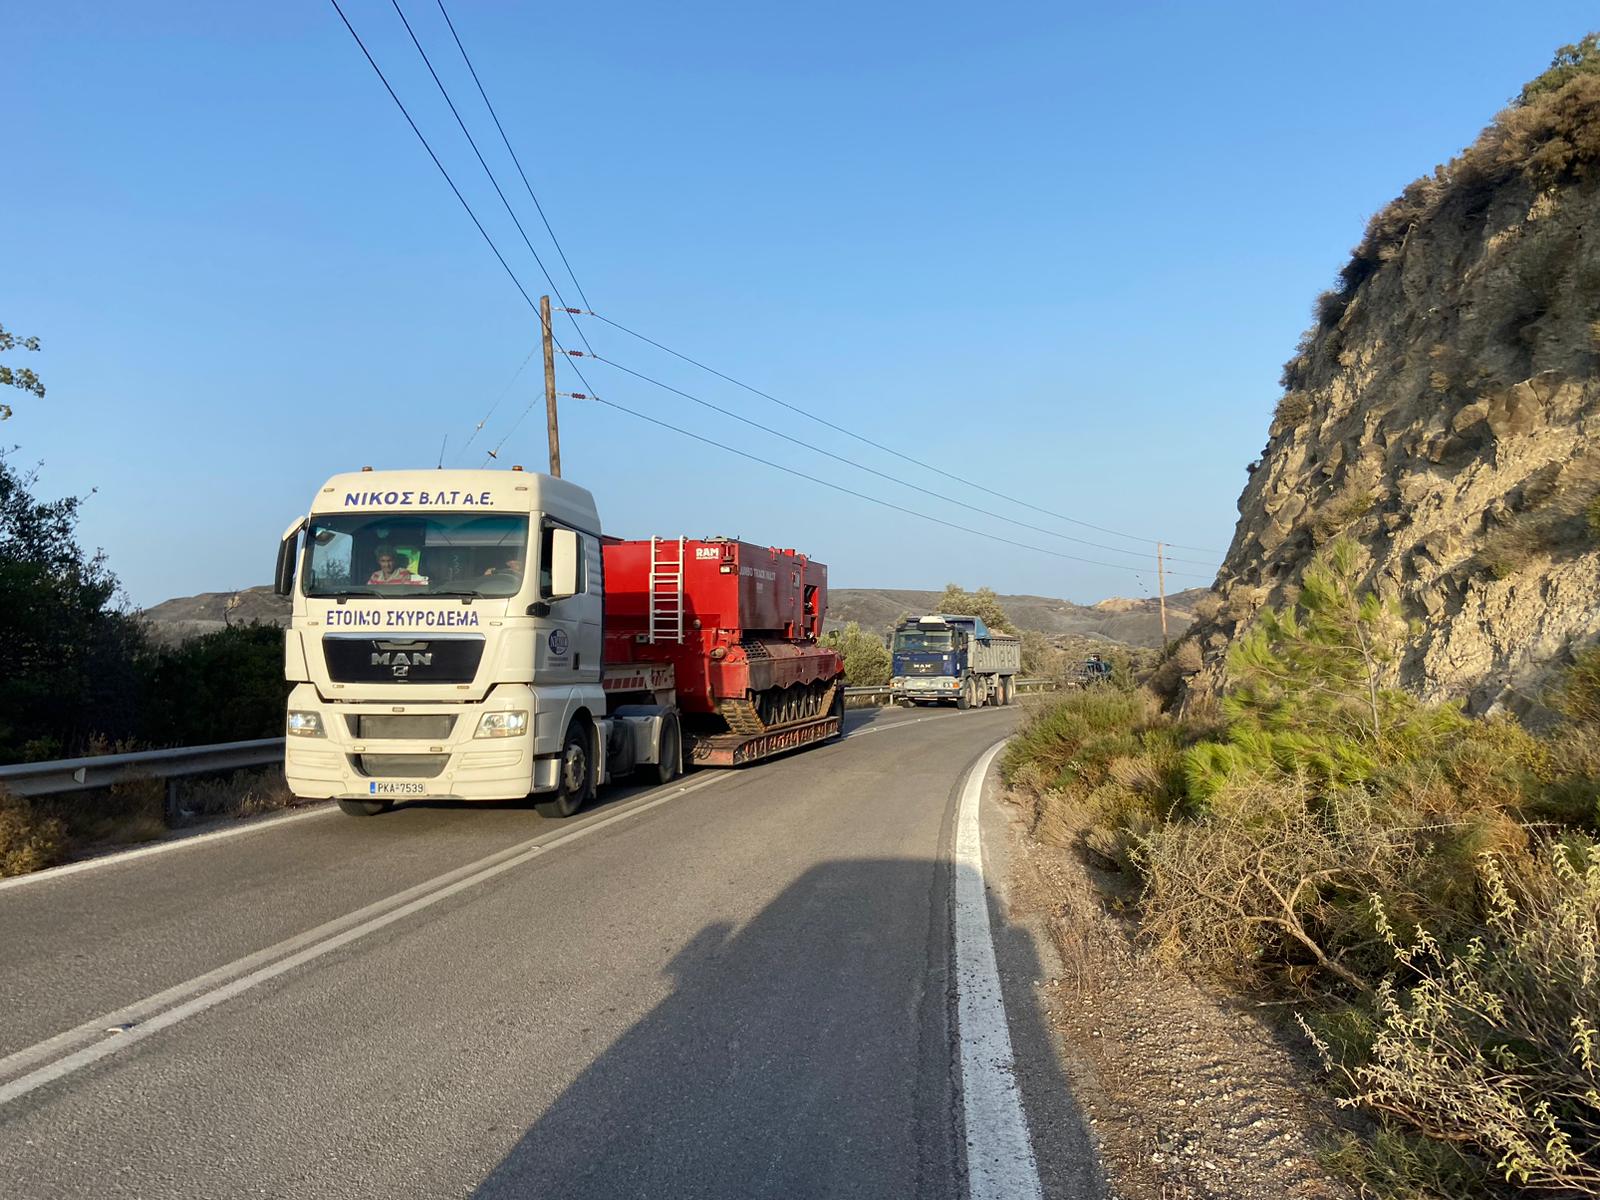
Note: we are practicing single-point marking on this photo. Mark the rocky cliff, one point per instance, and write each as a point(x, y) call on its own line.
point(1444, 413)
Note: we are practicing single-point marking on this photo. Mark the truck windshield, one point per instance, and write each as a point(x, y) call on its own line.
point(913, 641)
point(408, 554)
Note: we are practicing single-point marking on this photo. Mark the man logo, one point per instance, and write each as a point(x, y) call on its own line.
point(400, 662)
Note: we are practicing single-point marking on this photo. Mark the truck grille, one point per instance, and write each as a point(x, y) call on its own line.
point(401, 766)
point(417, 727)
point(401, 659)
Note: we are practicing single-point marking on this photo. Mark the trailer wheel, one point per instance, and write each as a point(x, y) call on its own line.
point(668, 750)
point(574, 779)
point(836, 709)
point(364, 808)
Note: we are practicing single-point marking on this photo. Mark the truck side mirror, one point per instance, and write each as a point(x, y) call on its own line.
point(565, 562)
point(288, 551)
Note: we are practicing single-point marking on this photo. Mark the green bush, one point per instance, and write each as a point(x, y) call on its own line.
point(866, 658)
point(225, 686)
point(1304, 844)
point(1496, 1043)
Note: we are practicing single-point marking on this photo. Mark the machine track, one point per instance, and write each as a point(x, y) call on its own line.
point(778, 708)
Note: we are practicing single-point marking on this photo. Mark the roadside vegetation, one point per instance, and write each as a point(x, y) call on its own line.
point(866, 658)
point(1421, 887)
point(83, 676)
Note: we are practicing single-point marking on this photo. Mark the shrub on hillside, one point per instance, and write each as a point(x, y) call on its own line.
point(1496, 1043)
point(1302, 844)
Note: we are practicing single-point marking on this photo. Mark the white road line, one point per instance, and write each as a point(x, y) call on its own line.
point(163, 1010)
point(180, 843)
point(1000, 1162)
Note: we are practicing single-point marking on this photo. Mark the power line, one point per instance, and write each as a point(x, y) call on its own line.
point(482, 162)
point(860, 466)
point(517, 283)
point(503, 393)
point(926, 466)
point(539, 207)
point(493, 248)
point(766, 462)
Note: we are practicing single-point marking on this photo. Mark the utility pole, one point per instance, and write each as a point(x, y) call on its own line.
point(1161, 577)
point(550, 390)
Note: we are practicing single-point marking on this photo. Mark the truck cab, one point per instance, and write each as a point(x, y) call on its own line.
point(940, 658)
point(445, 639)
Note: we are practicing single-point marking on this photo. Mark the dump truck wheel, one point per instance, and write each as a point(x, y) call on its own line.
point(574, 782)
point(964, 700)
point(364, 808)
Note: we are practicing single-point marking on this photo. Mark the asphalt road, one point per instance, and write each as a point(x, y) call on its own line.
point(738, 985)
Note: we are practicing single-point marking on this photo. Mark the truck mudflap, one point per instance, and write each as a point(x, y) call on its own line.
point(736, 749)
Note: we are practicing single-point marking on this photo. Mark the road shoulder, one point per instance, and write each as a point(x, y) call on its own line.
point(1030, 973)
point(1185, 1093)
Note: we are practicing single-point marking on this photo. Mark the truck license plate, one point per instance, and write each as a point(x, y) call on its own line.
point(379, 787)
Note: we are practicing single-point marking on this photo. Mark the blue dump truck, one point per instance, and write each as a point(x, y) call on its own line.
point(944, 659)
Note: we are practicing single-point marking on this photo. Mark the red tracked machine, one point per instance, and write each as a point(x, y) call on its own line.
point(737, 624)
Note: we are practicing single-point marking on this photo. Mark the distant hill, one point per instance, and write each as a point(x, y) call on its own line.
point(174, 621)
point(1131, 622)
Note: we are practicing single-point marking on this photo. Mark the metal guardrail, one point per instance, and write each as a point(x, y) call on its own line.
point(103, 770)
point(867, 697)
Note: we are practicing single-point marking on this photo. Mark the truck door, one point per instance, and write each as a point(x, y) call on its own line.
point(570, 583)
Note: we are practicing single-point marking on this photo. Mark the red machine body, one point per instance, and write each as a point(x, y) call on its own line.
point(736, 621)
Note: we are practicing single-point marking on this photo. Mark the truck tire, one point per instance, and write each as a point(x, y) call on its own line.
point(964, 700)
point(669, 751)
point(364, 808)
point(1009, 690)
point(837, 710)
point(574, 776)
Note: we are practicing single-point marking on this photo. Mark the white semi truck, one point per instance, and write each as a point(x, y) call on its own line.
point(454, 636)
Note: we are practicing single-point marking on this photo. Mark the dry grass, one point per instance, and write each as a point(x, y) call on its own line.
point(43, 832)
point(29, 840)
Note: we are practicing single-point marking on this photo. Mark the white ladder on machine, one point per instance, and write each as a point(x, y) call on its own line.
point(666, 591)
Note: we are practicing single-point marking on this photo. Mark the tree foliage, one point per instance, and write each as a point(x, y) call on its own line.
point(983, 604)
point(866, 659)
point(81, 671)
point(18, 377)
point(71, 646)
point(1580, 58)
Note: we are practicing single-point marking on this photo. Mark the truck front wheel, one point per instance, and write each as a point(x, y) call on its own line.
point(364, 808)
point(574, 779)
point(668, 750)
point(964, 700)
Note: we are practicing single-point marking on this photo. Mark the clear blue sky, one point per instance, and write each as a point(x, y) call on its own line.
point(1060, 249)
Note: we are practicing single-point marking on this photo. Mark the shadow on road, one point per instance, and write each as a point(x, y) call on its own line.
point(809, 1053)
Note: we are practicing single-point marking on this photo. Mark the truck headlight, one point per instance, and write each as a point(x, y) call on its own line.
point(305, 724)
point(502, 724)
